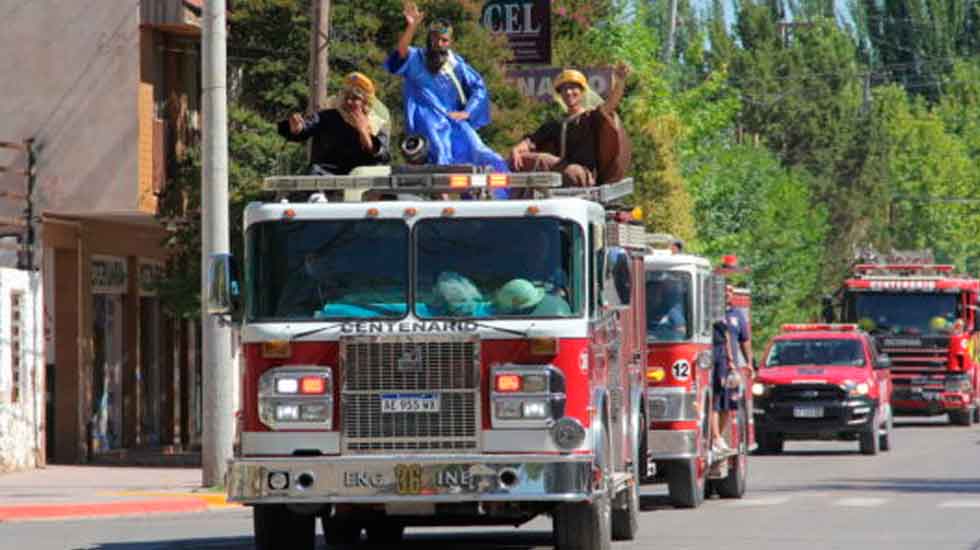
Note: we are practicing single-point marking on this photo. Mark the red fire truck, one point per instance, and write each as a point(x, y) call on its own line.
point(415, 362)
point(923, 316)
point(685, 296)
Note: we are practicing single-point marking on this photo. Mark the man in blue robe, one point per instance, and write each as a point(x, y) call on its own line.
point(445, 98)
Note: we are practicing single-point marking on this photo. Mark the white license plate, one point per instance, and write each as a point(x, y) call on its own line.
point(410, 403)
point(808, 412)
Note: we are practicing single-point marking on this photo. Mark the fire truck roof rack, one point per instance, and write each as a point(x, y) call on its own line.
point(384, 182)
point(899, 269)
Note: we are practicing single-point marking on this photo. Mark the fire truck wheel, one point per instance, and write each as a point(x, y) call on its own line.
point(769, 443)
point(626, 509)
point(733, 485)
point(277, 527)
point(686, 488)
point(584, 525)
point(384, 532)
point(961, 418)
point(976, 414)
point(869, 442)
point(885, 443)
point(340, 531)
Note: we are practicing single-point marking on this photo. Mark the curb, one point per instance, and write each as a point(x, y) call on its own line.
point(165, 503)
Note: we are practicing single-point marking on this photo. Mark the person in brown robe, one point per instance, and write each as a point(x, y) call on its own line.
point(589, 145)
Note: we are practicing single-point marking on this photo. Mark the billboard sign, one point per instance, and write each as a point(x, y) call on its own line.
point(527, 24)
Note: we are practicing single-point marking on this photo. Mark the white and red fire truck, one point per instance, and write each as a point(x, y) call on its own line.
point(415, 362)
point(685, 296)
point(923, 316)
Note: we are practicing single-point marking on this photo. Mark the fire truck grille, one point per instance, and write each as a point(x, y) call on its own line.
point(924, 359)
point(796, 393)
point(441, 368)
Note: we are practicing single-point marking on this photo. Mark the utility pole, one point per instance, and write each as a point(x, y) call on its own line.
point(219, 385)
point(319, 60)
point(671, 31)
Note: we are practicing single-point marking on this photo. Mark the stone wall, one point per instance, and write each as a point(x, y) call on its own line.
point(21, 370)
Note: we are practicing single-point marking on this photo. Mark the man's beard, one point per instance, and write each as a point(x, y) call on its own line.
point(435, 58)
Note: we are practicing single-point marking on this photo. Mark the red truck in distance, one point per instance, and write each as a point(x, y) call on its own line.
point(823, 381)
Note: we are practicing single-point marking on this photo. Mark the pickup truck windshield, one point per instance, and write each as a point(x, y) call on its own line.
point(668, 306)
point(498, 267)
point(903, 313)
point(338, 269)
point(819, 352)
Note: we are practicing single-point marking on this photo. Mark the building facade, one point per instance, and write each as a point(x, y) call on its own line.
point(109, 92)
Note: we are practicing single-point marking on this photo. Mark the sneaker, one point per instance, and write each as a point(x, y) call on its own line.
point(721, 449)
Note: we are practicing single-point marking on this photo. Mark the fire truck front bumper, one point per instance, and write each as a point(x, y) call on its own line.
point(411, 478)
point(672, 444)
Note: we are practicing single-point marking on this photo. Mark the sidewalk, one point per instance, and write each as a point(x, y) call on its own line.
point(62, 492)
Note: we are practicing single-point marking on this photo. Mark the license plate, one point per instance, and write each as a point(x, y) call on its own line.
point(410, 403)
point(808, 412)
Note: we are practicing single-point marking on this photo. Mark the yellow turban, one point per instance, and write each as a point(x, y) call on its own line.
point(359, 82)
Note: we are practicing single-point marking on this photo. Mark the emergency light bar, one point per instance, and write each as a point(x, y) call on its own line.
point(867, 268)
point(412, 182)
point(806, 327)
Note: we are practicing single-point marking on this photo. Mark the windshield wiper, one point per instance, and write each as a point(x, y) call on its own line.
point(501, 329)
point(313, 331)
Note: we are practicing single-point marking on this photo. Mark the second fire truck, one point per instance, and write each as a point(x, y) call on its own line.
point(419, 362)
point(685, 296)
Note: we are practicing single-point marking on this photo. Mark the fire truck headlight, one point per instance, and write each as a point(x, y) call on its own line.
point(509, 409)
point(535, 383)
point(568, 433)
point(287, 413)
point(296, 397)
point(278, 481)
point(535, 409)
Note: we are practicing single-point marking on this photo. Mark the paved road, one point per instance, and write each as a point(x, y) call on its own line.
point(923, 495)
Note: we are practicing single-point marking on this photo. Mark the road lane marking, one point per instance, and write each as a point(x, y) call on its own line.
point(760, 501)
point(861, 502)
point(960, 504)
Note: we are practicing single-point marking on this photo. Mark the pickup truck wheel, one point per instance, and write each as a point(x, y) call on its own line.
point(277, 527)
point(686, 487)
point(384, 532)
point(769, 443)
point(885, 443)
point(961, 418)
point(339, 531)
point(869, 442)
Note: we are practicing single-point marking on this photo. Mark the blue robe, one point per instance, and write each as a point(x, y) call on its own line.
point(430, 98)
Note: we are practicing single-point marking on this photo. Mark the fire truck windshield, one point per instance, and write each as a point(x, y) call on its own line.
point(308, 270)
point(902, 313)
point(824, 353)
point(499, 267)
point(668, 306)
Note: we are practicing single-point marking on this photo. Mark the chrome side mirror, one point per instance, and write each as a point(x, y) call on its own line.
point(223, 292)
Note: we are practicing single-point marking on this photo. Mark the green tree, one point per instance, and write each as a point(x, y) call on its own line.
point(747, 203)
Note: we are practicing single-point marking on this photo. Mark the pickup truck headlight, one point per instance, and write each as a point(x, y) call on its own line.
point(855, 389)
point(760, 389)
point(297, 398)
point(526, 396)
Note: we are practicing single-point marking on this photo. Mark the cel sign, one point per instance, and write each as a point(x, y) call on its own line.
point(527, 24)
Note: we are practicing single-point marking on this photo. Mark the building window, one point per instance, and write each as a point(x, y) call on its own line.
point(16, 333)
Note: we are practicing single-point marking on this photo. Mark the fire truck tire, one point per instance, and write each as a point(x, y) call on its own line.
point(769, 443)
point(340, 531)
point(626, 509)
point(584, 525)
point(733, 485)
point(277, 527)
point(686, 488)
point(976, 414)
point(885, 443)
point(961, 418)
point(868, 440)
point(384, 532)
